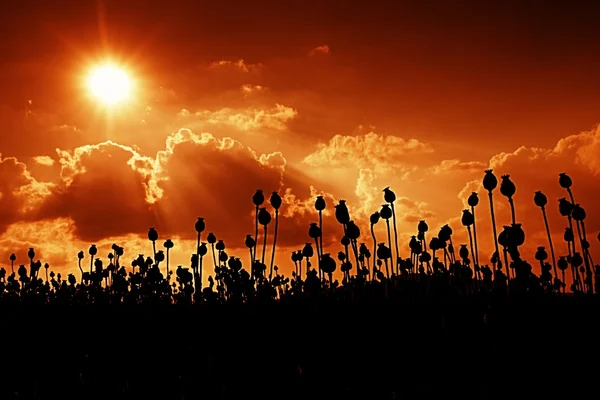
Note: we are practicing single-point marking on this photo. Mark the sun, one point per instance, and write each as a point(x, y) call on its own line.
point(110, 84)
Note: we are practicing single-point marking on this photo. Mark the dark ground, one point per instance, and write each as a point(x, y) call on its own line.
point(544, 348)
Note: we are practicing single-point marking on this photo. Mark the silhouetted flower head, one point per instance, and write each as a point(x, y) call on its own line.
point(341, 212)
point(576, 260)
point(220, 245)
point(386, 212)
point(425, 257)
point(275, 200)
point(383, 252)
point(345, 241)
point(341, 256)
point(314, 231)
point(211, 238)
point(473, 199)
point(540, 199)
point(507, 187)
point(504, 237)
point(307, 251)
point(98, 265)
point(320, 203)
point(421, 236)
point(374, 219)
point(258, 198)
point(264, 217)
point(250, 242)
point(435, 244)
point(467, 218)
point(328, 264)
point(565, 207)
point(568, 235)
point(564, 180)
point(352, 230)
point(445, 233)
point(80, 255)
point(422, 226)
point(517, 235)
point(463, 252)
point(363, 249)
point(152, 235)
point(31, 253)
point(578, 213)
point(202, 249)
point(489, 180)
point(223, 257)
point(160, 256)
point(200, 225)
point(388, 195)
point(93, 250)
point(563, 264)
point(541, 254)
point(168, 244)
point(413, 243)
point(13, 257)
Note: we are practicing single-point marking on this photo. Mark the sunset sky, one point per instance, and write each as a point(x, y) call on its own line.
point(334, 98)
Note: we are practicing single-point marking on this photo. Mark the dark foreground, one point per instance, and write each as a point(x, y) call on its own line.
point(532, 348)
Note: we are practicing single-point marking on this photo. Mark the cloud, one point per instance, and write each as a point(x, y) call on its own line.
point(324, 49)
point(43, 160)
point(449, 166)
point(240, 65)
point(366, 151)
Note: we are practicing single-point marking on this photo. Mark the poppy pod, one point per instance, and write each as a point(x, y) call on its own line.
point(79, 256)
point(489, 180)
point(425, 257)
point(152, 235)
point(14, 258)
point(418, 247)
point(585, 244)
point(22, 271)
point(202, 250)
point(258, 198)
point(92, 251)
point(565, 207)
point(293, 257)
point(388, 195)
point(341, 256)
point(517, 235)
point(363, 249)
point(160, 256)
point(507, 187)
point(275, 200)
point(140, 259)
point(341, 212)
point(110, 256)
point(540, 199)
point(434, 244)
point(223, 257)
point(374, 219)
point(445, 231)
point(320, 203)
point(31, 253)
point(421, 236)
point(250, 242)
point(352, 230)
point(383, 252)
point(576, 260)
point(578, 213)
point(386, 211)
point(120, 251)
point(98, 265)
point(541, 254)
point(563, 264)
point(361, 258)
point(564, 180)
point(422, 226)
point(220, 245)
point(463, 252)
point(211, 238)
point(467, 218)
point(200, 225)
point(504, 237)
point(413, 243)
point(237, 265)
point(307, 251)
point(314, 231)
point(568, 235)
point(473, 199)
point(328, 264)
point(345, 241)
point(168, 244)
point(264, 217)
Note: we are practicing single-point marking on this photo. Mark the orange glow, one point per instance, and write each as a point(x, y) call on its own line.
point(110, 84)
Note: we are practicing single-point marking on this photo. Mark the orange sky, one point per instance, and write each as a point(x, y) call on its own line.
point(304, 99)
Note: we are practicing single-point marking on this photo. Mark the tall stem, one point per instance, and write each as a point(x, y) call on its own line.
point(512, 210)
point(374, 249)
point(256, 231)
point(491, 197)
point(274, 244)
point(550, 242)
point(395, 260)
point(476, 255)
point(264, 246)
point(387, 222)
point(475, 272)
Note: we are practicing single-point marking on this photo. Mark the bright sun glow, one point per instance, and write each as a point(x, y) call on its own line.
point(110, 84)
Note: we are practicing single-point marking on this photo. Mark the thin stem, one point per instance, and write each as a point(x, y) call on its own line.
point(550, 241)
point(395, 260)
point(491, 197)
point(274, 244)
